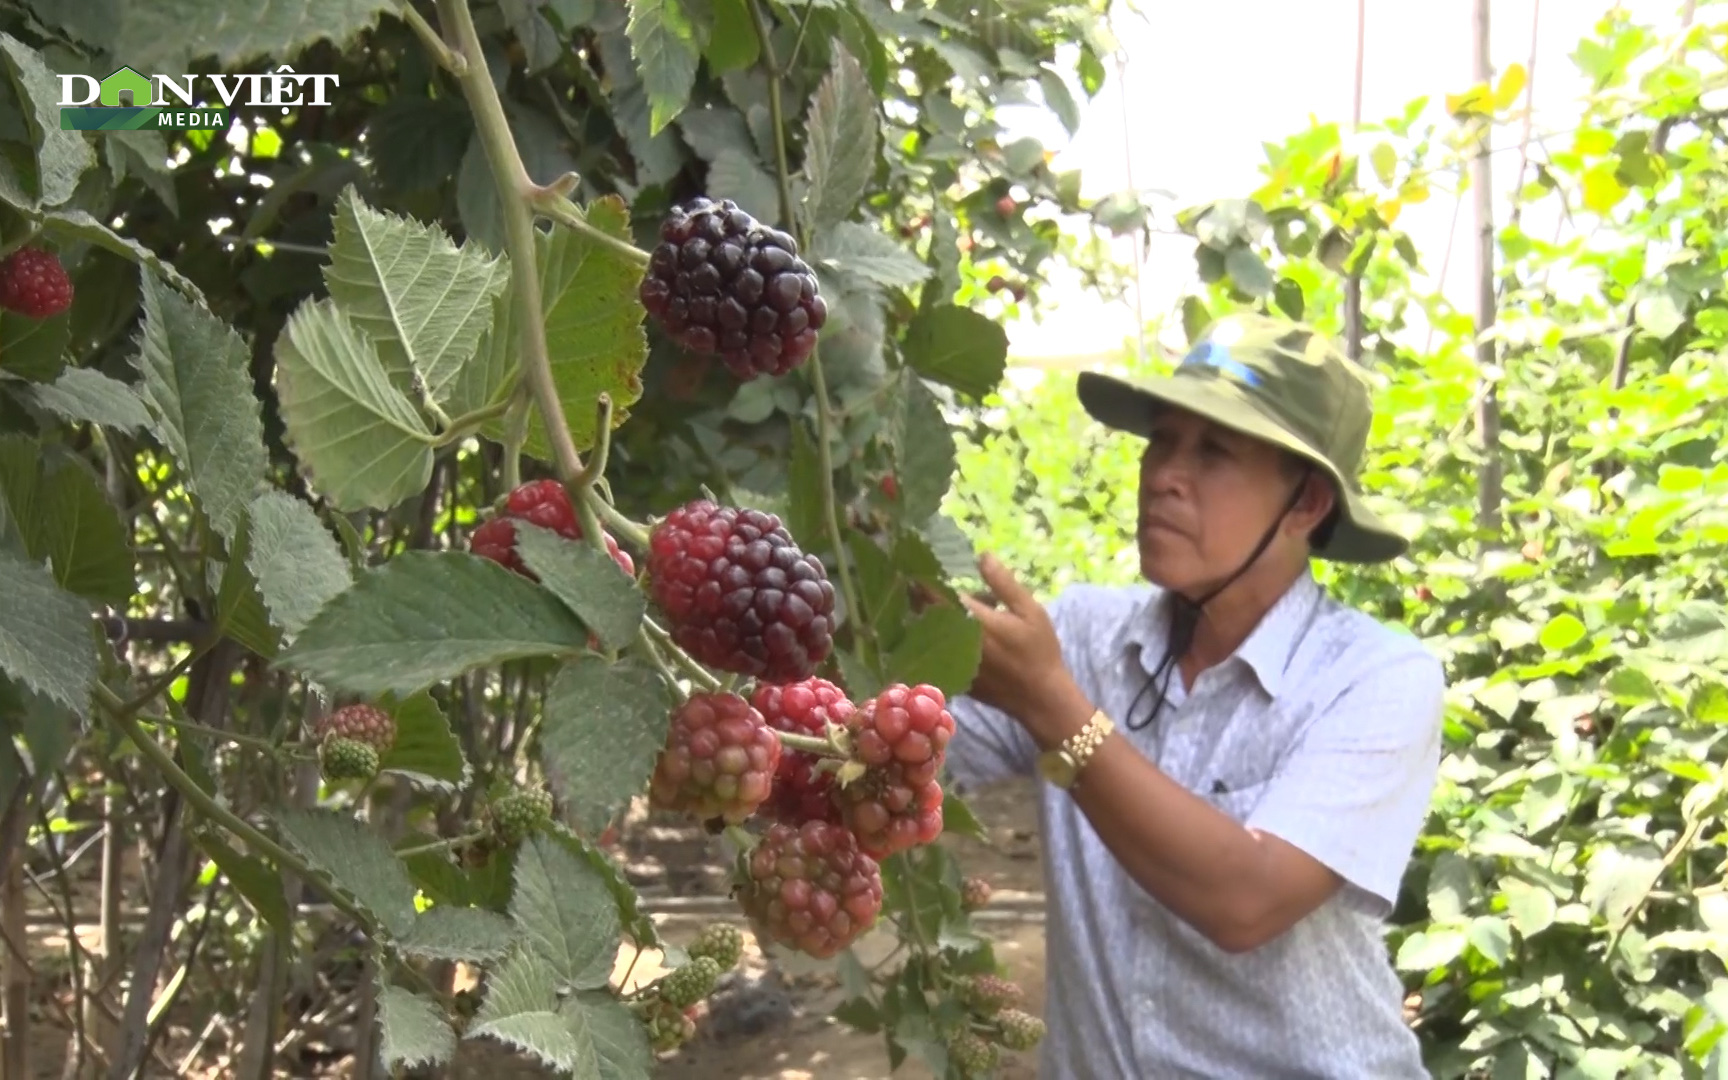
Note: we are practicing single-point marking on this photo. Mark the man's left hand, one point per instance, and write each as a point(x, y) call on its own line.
point(1022, 672)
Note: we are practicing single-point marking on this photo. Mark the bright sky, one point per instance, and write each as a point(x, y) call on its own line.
point(1205, 83)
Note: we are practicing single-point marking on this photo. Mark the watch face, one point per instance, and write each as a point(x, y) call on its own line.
point(1057, 767)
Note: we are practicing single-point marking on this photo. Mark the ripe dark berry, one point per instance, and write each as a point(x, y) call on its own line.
point(690, 983)
point(544, 503)
point(719, 759)
point(361, 723)
point(347, 759)
point(1020, 1030)
point(720, 943)
point(974, 893)
point(723, 284)
point(997, 283)
point(971, 1055)
point(34, 284)
point(740, 595)
point(801, 791)
point(810, 888)
point(901, 736)
point(521, 813)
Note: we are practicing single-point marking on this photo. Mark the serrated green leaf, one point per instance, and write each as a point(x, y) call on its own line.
point(957, 348)
point(953, 548)
point(521, 1010)
point(663, 43)
point(565, 914)
point(197, 382)
point(412, 1030)
point(361, 440)
point(444, 882)
point(925, 450)
point(841, 153)
point(1615, 880)
point(425, 749)
point(427, 616)
point(872, 254)
point(1492, 937)
point(63, 516)
point(33, 349)
point(164, 35)
point(90, 397)
point(423, 301)
point(590, 583)
point(142, 154)
point(739, 175)
point(240, 610)
point(619, 1040)
point(733, 46)
point(1059, 99)
point(444, 932)
point(634, 920)
point(490, 374)
point(45, 634)
point(61, 156)
point(296, 562)
point(942, 647)
point(258, 882)
point(79, 225)
point(604, 724)
point(1530, 908)
point(357, 861)
point(958, 818)
point(594, 329)
point(1249, 271)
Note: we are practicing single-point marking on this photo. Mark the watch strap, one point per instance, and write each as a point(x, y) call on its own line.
point(1081, 745)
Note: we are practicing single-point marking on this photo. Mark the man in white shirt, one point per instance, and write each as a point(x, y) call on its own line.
point(1238, 765)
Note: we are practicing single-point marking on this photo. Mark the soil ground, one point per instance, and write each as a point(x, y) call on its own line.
point(768, 1020)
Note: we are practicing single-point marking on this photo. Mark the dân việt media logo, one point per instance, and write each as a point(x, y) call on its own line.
point(128, 101)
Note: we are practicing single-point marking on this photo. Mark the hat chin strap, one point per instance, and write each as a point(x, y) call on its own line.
point(1186, 611)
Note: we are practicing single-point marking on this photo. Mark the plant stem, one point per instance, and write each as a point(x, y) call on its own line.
point(514, 190)
point(215, 811)
point(596, 467)
point(621, 526)
point(189, 727)
point(564, 212)
point(451, 844)
point(824, 408)
point(468, 423)
point(809, 744)
point(447, 59)
point(699, 674)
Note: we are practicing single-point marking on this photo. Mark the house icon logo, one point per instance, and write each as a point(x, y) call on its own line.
point(126, 89)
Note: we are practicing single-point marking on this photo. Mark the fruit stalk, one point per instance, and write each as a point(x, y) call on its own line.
point(824, 408)
point(811, 744)
point(515, 189)
point(554, 205)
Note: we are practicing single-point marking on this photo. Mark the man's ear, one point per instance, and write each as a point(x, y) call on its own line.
point(1319, 499)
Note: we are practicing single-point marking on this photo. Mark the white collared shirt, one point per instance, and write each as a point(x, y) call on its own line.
point(1324, 728)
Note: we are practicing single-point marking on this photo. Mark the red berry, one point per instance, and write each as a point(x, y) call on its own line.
point(901, 736)
point(996, 283)
point(719, 759)
point(359, 723)
point(34, 284)
point(801, 791)
point(810, 888)
point(890, 487)
point(1006, 205)
point(739, 593)
point(723, 284)
point(544, 503)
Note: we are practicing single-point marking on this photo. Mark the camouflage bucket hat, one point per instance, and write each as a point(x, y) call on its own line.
point(1283, 383)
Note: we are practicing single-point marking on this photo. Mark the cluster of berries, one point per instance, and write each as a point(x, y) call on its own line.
point(671, 1006)
point(813, 881)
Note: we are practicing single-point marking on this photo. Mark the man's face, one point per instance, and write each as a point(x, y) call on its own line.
point(1207, 495)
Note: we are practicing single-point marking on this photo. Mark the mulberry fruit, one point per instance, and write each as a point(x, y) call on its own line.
point(740, 594)
point(544, 503)
point(719, 759)
point(901, 736)
point(723, 284)
point(34, 284)
point(802, 792)
point(810, 888)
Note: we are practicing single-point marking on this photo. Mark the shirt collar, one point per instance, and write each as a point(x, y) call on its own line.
point(1267, 649)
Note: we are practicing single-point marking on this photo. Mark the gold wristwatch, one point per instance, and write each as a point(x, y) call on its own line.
point(1061, 766)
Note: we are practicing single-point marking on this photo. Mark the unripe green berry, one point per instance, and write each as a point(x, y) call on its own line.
point(690, 983)
point(1020, 1030)
point(521, 813)
point(971, 1054)
point(720, 943)
point(346, 759)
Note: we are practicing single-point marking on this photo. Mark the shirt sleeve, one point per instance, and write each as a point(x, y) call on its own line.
point(1356, 791)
